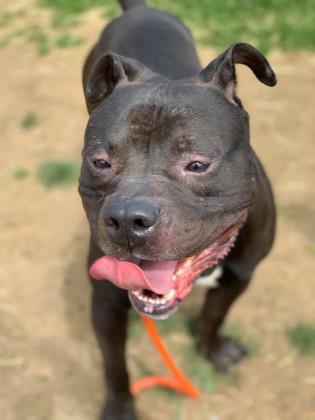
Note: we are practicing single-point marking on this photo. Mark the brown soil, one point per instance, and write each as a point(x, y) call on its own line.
point(49, 360)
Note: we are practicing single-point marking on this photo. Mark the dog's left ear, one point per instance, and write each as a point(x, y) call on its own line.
point(220, 73)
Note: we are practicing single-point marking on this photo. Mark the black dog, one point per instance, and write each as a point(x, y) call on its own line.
point(169, 183)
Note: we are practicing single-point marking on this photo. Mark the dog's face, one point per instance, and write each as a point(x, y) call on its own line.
point(167, 173)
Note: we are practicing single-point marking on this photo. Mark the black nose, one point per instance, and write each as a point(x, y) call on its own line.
point(130, 222)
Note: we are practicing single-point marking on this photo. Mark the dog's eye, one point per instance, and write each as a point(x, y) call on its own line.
point(197, 166)
point(101, 164)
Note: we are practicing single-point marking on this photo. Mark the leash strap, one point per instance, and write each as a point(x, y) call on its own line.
point(178, 381)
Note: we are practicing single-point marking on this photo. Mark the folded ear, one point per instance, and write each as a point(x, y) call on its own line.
point(110, 71)
point(221, 71)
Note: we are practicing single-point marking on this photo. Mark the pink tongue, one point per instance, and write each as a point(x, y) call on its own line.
point(155, 276)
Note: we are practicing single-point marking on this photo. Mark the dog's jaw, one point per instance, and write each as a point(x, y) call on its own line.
point(161, 306)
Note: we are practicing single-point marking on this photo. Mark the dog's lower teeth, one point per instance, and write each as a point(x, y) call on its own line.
point(152, 300)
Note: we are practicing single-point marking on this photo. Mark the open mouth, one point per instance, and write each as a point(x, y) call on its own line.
point(162, 305)
point(157, 288)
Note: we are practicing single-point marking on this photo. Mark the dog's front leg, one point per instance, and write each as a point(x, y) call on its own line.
point(109, 314)
point(222, 351)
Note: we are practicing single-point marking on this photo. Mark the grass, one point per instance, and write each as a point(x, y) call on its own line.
point(66, 40)
point(52, 173)
point(4, 40)
point(68, 8)
point(302, 338)
point(20, 173)
point(29, 121)
point(12, 26)
point(267, 24)
point(37, 36)
point(185, 352)
point(284, 24)
point(235, 331)
point(311, 249)
point(199, 370)
point(6, 18)
point(61, 21)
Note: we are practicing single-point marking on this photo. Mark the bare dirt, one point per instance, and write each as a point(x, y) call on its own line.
point(49, 360)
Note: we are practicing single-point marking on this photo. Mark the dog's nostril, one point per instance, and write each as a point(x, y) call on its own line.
point(139, 224)
point(112, 223)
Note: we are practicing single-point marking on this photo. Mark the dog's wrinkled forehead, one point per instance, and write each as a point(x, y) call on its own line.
point(141, 110)
point(159, 122)
point(148, 118)
point(190, 116)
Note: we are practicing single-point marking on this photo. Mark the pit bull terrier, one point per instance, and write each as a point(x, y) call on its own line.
point(170, 185)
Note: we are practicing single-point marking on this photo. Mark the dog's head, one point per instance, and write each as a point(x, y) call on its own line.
point(167, 172)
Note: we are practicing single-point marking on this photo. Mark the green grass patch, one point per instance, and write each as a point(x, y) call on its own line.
point(198, 369)
point(20, 173)
point(302, 338)
point(311, 249)
point(70, 7)
point(29, 121)
point(54, 173)
point(185, 353)
point(66, 40)
point(6, 18)
point(20, 32)
point(5, 40)
point(175, 323)
point(61, 21)
point(285, 24)
point(40, 39)
point(235, 331)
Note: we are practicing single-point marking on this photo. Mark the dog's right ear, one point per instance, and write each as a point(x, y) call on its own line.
point(110, 71)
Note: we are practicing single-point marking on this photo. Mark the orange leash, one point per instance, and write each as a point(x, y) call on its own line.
point(177, 381)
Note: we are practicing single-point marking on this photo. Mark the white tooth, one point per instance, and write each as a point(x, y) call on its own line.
point(148, 309)
point(158, 301)
point(170, 294)
point(186, 263)
point(151, 300)
point(163, 301)
point(179, 272)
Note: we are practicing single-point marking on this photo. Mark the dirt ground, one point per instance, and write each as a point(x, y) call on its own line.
point(49, 360)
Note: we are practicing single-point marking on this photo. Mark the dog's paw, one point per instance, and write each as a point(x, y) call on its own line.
point(119, 410)
point(226, 353)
